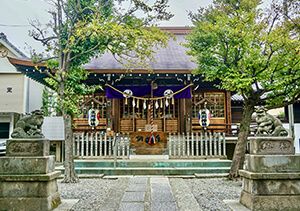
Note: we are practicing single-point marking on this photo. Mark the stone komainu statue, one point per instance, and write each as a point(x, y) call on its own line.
point(268, 125)
point(29, 126)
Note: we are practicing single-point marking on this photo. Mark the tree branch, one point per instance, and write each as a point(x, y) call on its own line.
point(85, 52)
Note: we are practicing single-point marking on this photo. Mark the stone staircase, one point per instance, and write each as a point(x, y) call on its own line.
point(152, 166)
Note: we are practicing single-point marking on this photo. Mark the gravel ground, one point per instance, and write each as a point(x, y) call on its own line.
point(210, 193)
point(106, 194)
point(94, 194)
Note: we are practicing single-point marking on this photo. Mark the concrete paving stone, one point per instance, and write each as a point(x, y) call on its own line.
point(136, 188)
point(159, 180)
point(163, 206)
point(133, 197)
point(131, 206)
point(160, 186)
point(138, 180)
point(165, 196)
point(185, 200)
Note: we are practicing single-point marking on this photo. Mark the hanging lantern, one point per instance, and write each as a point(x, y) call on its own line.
point(161, 103)
point(204, 117)
point(93, 117)
point(145, 105)
point(133, 103)
point(137, 103)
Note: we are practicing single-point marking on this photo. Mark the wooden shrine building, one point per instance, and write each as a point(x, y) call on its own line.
point(170, 96)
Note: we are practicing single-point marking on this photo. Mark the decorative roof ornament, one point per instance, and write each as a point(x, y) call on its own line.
point(3, 53)
point(4, 41)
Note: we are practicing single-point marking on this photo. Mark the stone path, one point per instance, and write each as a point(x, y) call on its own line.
point(161, 194)
point(134, 196)
point(155, 193)
point(150, 193)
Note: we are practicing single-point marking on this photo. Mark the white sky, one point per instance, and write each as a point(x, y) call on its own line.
point(16, 14)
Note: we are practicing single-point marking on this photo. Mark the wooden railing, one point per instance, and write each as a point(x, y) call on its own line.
point(197, 145)
point(100, 145)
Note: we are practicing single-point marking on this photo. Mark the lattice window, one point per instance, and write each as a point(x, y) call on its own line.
point(198, 103)
point(128, 111)
point(215, 103)
point(169, 112)
point(98, 101)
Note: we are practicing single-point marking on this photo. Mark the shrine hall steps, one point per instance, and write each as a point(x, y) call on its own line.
point(155, 167)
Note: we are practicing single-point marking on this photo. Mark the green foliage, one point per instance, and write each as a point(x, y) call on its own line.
point(250, 51)
point(45, 102)
point(83, 29)
point(74, 89)
point(49, 101)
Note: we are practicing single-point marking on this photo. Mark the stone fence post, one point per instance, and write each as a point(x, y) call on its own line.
point(271, 175)
point(27, 177)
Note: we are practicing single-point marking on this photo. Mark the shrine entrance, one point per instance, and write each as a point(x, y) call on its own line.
point(142, 119)
point(148, 118)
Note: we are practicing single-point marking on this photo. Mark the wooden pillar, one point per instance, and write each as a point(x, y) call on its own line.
point(182, 115)
point(188, 115)
point(185, 115)
point(228, 109)
point(115, 117)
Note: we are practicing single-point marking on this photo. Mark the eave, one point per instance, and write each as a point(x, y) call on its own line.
point(120, 76)
point(28, 68)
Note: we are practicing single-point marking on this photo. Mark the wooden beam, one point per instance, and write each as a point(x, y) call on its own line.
point(140, 71)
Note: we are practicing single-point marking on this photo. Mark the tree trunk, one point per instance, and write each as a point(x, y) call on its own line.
point(240, 148)
point(70, 174)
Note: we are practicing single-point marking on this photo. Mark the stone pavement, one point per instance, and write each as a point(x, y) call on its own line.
point(149, 193)
point(155, 193)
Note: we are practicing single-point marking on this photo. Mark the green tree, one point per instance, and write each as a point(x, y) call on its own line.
point(250, 51)
point(82, 29)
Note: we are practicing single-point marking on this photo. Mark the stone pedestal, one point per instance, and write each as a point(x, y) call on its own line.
point(271, 176)
point(27, 177)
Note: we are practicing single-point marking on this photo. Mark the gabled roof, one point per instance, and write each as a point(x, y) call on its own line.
point(173, 57)
point(4, 41)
